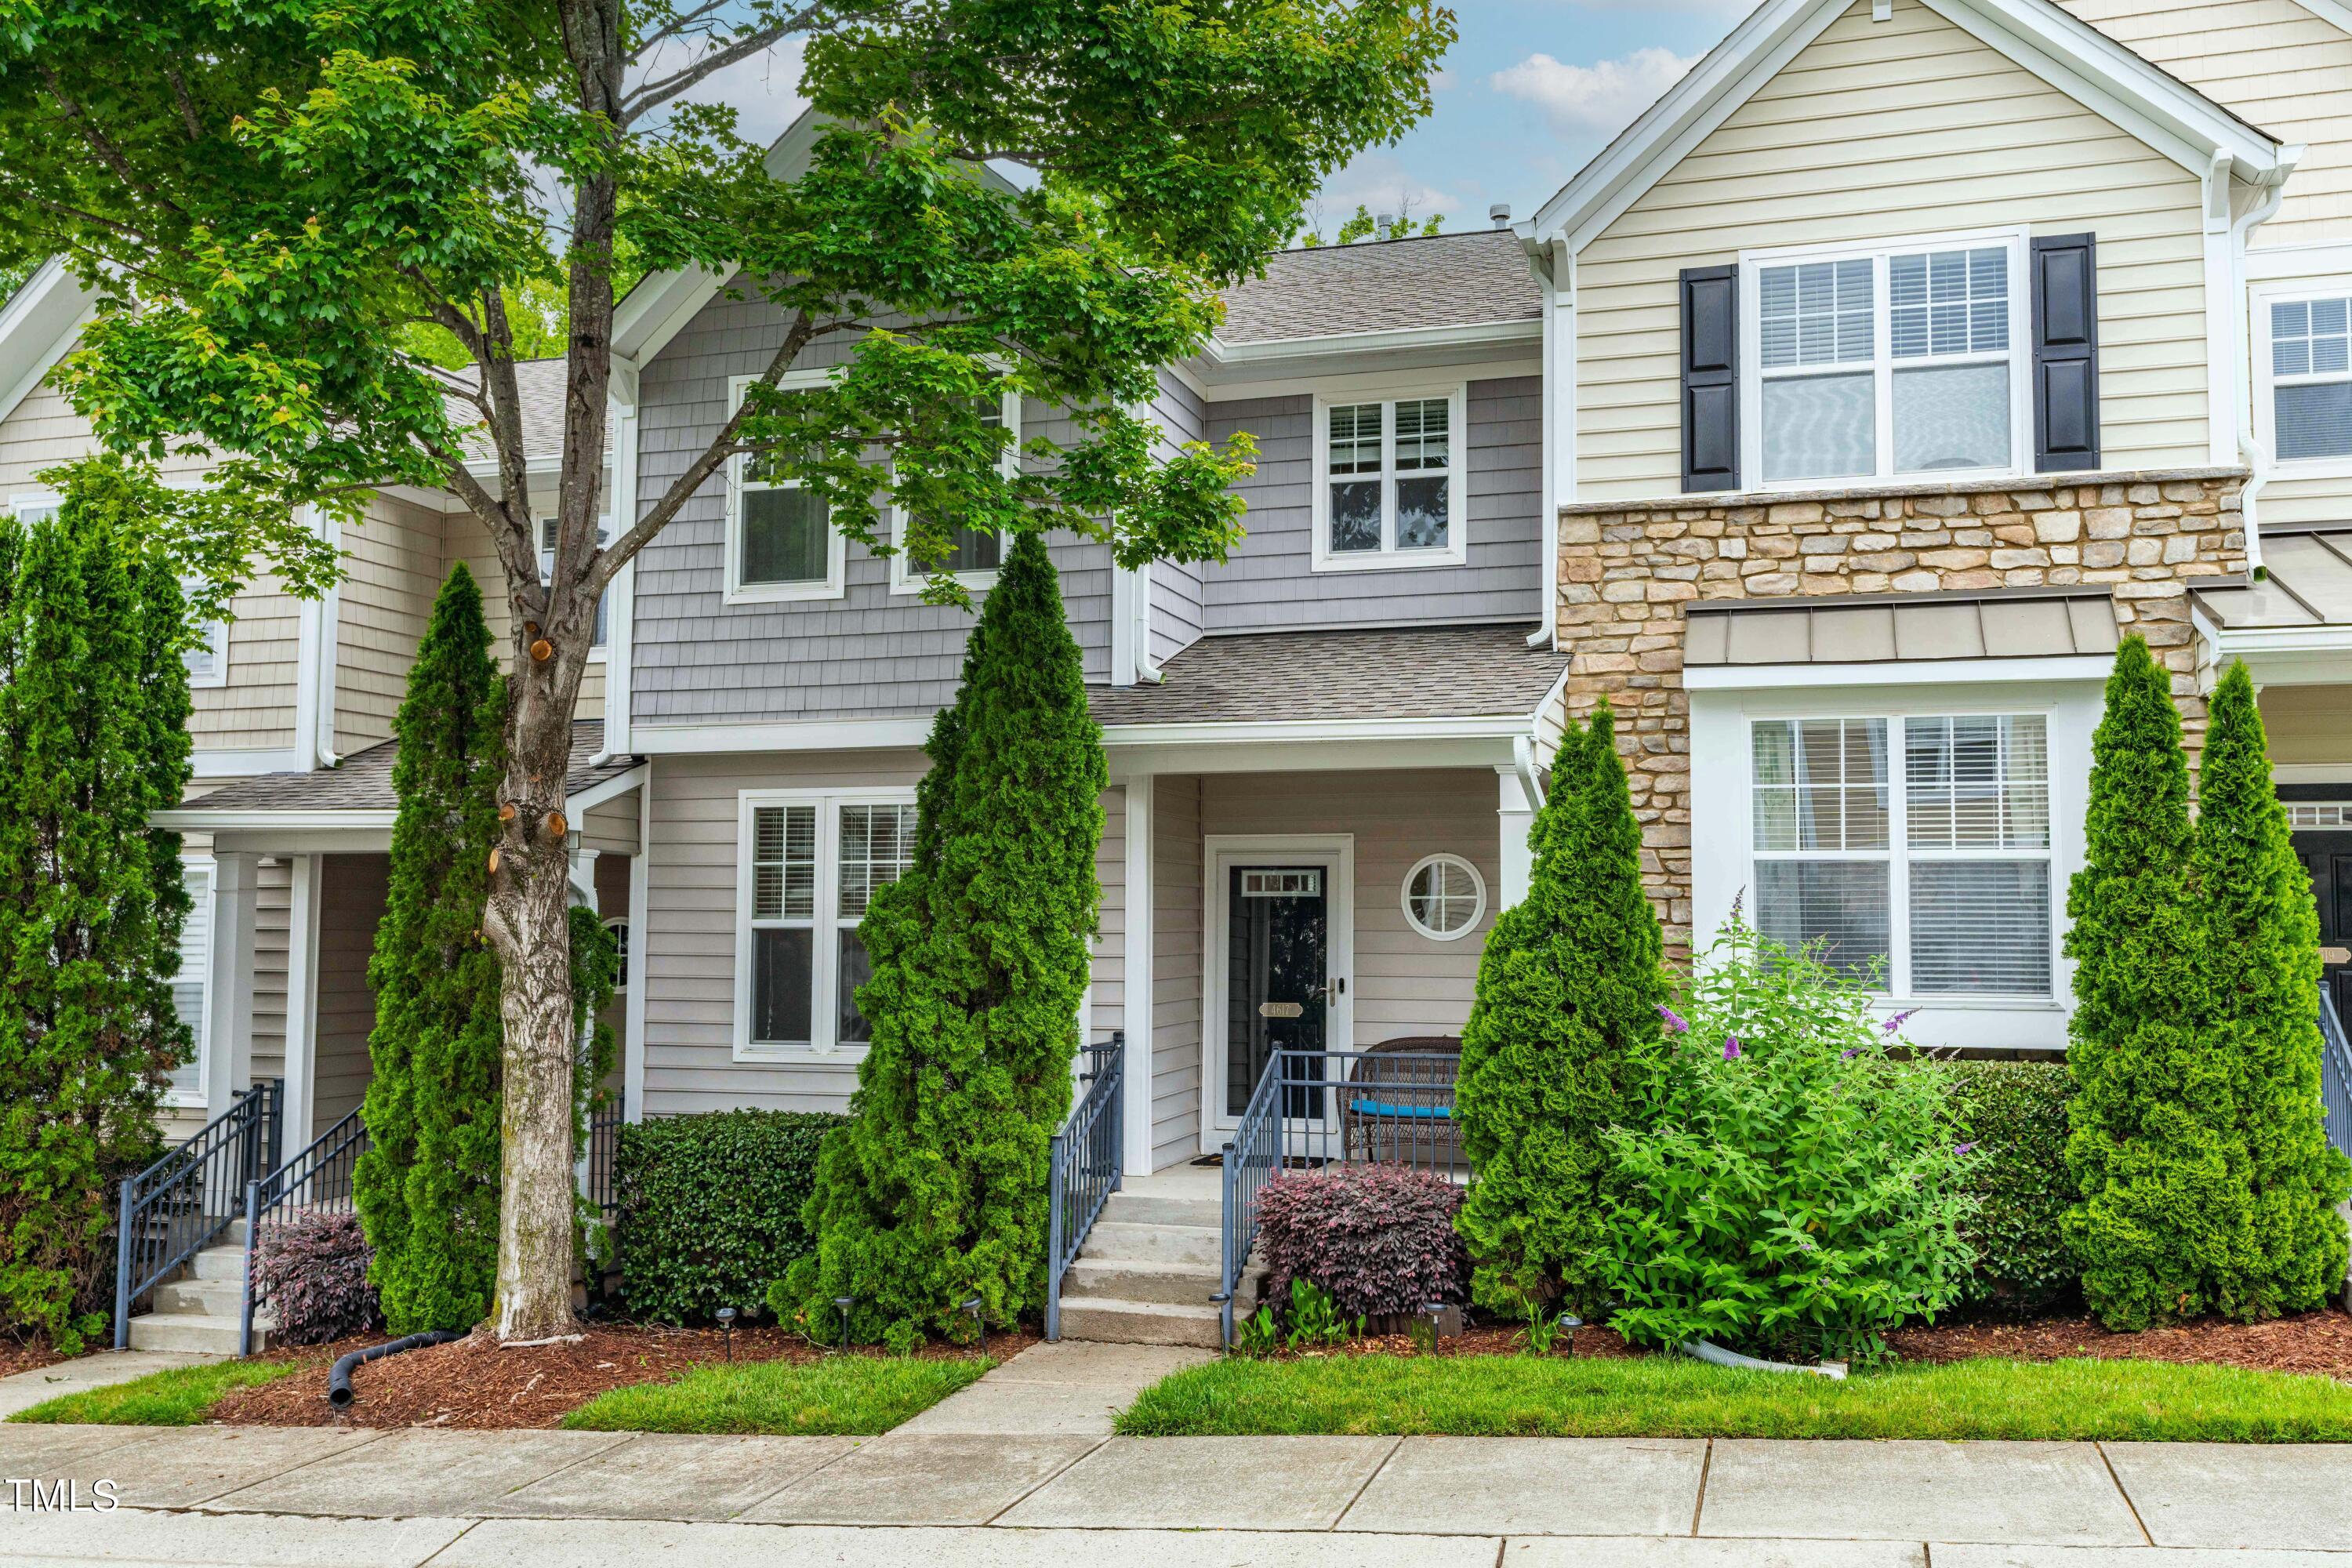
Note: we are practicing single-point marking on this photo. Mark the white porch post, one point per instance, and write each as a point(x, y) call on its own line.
point(1135, 988)
point(633, 1012)
point(302, 1001)
point(236, 902)
point(1515, 814)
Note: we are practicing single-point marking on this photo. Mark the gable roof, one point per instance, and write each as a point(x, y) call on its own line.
point(38, 323)
point(2070, 55)
point(1362, 672)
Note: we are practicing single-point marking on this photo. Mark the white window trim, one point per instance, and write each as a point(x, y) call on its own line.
point(1477, 907)
point(1388, 558)
point(2260, 299)
point(1898, 855)
point(834, 583)
point(904, 581)
point(19, 499)
point(823, 962)
point(596, 651)
point(1882, 360)
point(191, 868)
point(215, 633)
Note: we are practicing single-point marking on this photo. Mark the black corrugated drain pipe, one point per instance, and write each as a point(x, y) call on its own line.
point(339, 1381)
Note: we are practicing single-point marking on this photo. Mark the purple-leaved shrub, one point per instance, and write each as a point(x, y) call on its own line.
point(1380, 1238)
point(314, 1273)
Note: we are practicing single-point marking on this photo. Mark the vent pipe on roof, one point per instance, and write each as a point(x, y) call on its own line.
point(1500, 215)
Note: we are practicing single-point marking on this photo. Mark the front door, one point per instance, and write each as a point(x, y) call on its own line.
point(2328, 855)
point(1277, 970)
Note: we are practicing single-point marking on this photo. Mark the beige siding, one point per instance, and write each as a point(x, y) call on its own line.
point(1106, 1004)
point(1176, 946)
point(464, 538)
point(273, 921)
point(690, 929)
point(1877, 131)
point(610, 830)
point(2308, 723)
point(392, 569)
point(351, 890)
point(2275, 64)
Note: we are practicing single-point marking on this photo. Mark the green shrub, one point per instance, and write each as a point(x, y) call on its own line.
point(2015, 1114)
point(1563, 1023)
point(711, 1210)
point(1799, 1191)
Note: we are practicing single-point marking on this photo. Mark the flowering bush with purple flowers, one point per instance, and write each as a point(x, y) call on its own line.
point(1380, 1238)
point(1794, 1189)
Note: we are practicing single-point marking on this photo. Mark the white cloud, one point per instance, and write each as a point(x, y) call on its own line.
point(1604, 97)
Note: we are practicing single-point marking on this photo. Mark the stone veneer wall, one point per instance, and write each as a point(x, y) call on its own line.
point(1626, 570)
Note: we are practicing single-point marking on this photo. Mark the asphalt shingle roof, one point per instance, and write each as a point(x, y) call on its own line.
point(1385, 672)
point(364, 781)
point(1444, 280)
point(538, 387)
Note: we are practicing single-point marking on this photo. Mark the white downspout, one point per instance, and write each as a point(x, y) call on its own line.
point(2250, 452)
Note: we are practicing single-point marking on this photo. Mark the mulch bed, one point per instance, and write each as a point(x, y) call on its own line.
point(2317, 1342)
point(473, 1384)
point(16, 1357)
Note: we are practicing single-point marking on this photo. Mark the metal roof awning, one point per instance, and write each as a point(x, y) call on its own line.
point(2032, 623)
point(2307, 582)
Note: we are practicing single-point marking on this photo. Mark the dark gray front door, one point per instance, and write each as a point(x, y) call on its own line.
point(1277, 969)
point(2328, 855)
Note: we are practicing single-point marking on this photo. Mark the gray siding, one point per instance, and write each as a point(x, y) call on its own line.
point(700, 660)
point(1268, 581)
point(1175, 590)
point(1106, 1004)
point(1176, 939)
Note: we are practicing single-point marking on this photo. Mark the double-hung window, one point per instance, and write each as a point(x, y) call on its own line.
point(207, 660)
point(809, 866)
point(1887, 362)
point(974, 554)
point(190, 987)
point(1387, 481)
point(781, 541)
point(547, 527)
point(1915, 850)
point(2310, 374)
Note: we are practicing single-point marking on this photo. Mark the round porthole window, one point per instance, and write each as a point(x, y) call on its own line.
point(1444, 896)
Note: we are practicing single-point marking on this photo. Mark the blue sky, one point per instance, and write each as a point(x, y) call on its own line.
point(1532, 90)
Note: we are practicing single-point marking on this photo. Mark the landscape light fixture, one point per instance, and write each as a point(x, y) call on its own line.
point(726, 1322)
point(1425, 1327)
point(1570, 1322)
point(979, 1322)
point(843, 1302)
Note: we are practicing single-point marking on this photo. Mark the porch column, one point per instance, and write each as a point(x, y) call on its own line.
point(1515, 814)
point(1135, 987)
point(302, 1001)
point(229, 990)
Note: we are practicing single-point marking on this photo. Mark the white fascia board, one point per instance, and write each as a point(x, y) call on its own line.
point(37, 326)
point(613, 788)
point(1896, 672)
point(2333, 12)
point(241, 763)
point(1280, 351)
point(820, 735)
point(2285, 656)
point(257, 819)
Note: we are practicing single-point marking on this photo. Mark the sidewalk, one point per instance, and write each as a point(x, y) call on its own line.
point(403, 1498)
point(22, 1390)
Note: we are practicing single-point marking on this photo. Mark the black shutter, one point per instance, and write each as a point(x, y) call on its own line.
point(1710, 300)
point(2065, 354)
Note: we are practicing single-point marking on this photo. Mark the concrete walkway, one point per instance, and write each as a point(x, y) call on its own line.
point(265, 1497)
point(22, 1390)
point(1070, 1389)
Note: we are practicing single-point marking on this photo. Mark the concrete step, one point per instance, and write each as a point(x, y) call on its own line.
point(218, 1263)
point(1133, 1243)
point(202, 1298)
point(187, 1331)
point(1152, 1208)
point(1110, 1321)
point(1173, 1284)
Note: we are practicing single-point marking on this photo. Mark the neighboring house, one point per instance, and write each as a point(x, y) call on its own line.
point(292, 798)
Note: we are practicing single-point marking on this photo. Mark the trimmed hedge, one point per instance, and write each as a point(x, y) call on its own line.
point(711, 1210)
point(2016, 1114)
point(1380, 1238)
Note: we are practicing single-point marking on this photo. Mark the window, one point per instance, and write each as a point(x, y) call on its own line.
point(37, 506)
point(209, 661)
point(190, 987)
point(2311, 379)
point(811, 865)
point(1934, 875)
point(977, 553)
point(547, 528)
point(1444, 896)
point(619, 926)
point(780, 545)
point(1387, 482)
point(1894, 361)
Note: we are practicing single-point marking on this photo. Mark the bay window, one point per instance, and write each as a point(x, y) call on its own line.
point(808, 867)
point(1926, 869)
point(1887, 362)
point(1387, 481)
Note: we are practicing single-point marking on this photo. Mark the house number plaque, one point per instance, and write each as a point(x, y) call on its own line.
point(1281, 1009)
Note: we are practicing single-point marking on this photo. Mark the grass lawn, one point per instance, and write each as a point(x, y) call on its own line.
point(183, 1396)
point(1672, 1396)
point(838, 1396)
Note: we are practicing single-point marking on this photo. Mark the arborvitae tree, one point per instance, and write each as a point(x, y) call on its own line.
point(2261, 959)
point(1565, 1016)
point(2160, 1202)
point(427, 1188)
point(935, 1192)
point(93, 739)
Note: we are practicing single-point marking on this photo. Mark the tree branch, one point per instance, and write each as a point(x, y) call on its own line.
point(101, 143)
point(652, 95)
point(180, 95)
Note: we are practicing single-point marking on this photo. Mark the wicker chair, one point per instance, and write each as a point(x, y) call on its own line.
point(1398, 1106)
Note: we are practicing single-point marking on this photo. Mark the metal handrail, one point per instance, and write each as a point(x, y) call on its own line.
point(1250, 1161)
point(317, 1181)
point(1087, 1164)
point(601, 1160)
point(177, 1207)
point(2334, 1073)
